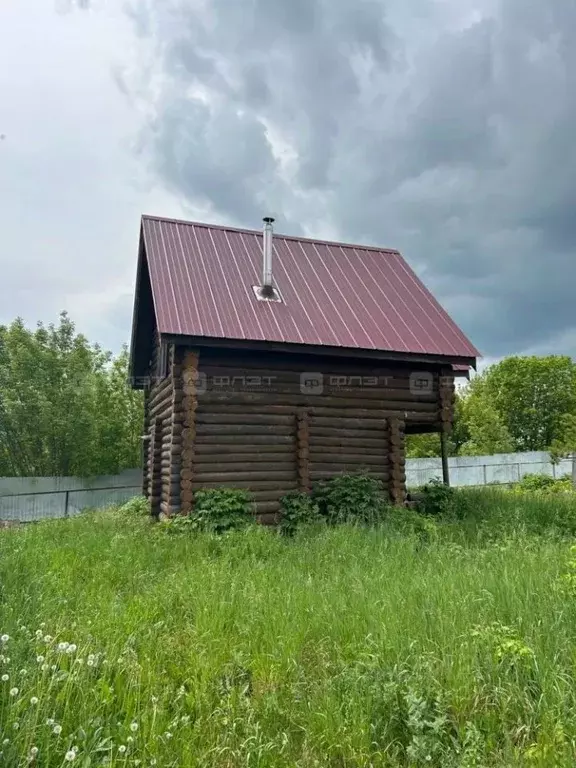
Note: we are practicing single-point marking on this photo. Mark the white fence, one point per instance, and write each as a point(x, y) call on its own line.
point(39, 498)
point(500, 469)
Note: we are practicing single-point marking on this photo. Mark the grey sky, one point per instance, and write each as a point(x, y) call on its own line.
point(440, 127)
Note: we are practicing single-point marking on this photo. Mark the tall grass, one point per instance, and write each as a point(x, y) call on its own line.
point(418, 643)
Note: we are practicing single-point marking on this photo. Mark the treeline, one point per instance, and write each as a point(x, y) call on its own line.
point(65, 405)
point(518, 404)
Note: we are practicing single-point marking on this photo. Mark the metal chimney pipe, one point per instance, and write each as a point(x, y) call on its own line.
point(267, 286)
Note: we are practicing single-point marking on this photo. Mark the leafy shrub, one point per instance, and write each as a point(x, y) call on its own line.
point(221, 509)
point(138, 506)
point(351, 498)
point(437, 499)
point(544, 484)
point(297, 509)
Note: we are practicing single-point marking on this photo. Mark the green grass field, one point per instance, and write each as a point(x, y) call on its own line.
point(449, 644)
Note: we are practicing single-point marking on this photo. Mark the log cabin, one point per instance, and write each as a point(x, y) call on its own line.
point(270, 362)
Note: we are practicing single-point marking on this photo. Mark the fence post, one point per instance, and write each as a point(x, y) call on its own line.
point(66, 504)
point(484, 474)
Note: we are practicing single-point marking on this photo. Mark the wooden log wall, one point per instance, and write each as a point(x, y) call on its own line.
point(162, 414)
point(219, 420)
point(188, 432)
point(262, 428)
point(397, 462)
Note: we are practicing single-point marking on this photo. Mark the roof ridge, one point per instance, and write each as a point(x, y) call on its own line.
point(242, 230)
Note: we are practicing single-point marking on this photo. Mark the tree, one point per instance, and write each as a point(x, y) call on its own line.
point(486, 432)
point(565, 444)
point(65, 406)
point(530, 395)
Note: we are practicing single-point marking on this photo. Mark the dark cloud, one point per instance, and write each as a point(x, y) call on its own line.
point(443, 129)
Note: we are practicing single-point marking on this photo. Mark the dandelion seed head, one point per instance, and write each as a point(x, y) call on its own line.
point(168, 735)
point(62, 647)
point(14, 692)
point(70, 756)
point(48, 638)
point(16, 725)
point(5, 678)
point(39, 659)
point(39, 634)
point(42, 625)
point(34, 751)
point(129, 739)
point(71, 648)
point(5, 742)
point(121, 749)
point(57, 730)
point(4, 638)
point(33, 701)
point(134, 727)
point(90, 662)
point(23, 671)
point(53, 667)
point(50, 721)
point(44, 667)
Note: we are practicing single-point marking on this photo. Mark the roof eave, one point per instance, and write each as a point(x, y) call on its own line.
point(324, 350)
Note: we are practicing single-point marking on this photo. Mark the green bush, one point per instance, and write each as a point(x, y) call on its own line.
point(297, 509)
point(221, 509)
point(138, 506)
point(351, 498)
point(437, 499)
point(544, 484)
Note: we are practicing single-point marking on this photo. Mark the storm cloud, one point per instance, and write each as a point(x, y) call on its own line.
point(443, 129)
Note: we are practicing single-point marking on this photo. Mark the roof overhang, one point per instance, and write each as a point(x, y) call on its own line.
point(463, 363)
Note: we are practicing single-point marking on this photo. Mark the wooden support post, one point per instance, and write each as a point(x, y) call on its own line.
point(446, 397)
point(189, 408)
point(444, 453)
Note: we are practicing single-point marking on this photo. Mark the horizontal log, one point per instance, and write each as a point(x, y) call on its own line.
point(353, 458)
point(339, 422)
point(244, 467)
point(222, 439)
point(263, 400)
point(316, 475)
point(264, 457)
point(267, 513)
point(352, 467)
point(251, 485)
point(241, 449)
point(167, 413)
point(345, 449)
point(171, 486)
point(249, 418)
point(342, 438)
point(367, 436)
point(283, 367)
point(270, 495)
point(241, 429)
point(158, 389)
point(254, 475)
point(161, 403)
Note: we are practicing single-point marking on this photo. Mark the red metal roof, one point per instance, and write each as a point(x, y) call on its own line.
point(333, 294)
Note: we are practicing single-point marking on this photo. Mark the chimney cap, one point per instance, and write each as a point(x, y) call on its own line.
point(268, 219)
